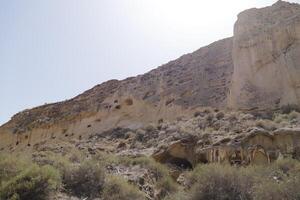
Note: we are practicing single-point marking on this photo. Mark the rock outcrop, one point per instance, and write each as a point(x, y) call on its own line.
point(266, 49)
point(256, 147)
point(257, 69)
point(177, 88)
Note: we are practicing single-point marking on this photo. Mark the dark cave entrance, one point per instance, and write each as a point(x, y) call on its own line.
point(180, 163)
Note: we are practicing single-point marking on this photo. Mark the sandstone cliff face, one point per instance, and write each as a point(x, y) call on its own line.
point(266, 51)
point(257, 69)
point(194, 80)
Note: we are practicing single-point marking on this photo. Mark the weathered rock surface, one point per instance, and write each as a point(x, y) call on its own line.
point(256, 147)
point(266, 49)
point(256, 69)
point(195, 80)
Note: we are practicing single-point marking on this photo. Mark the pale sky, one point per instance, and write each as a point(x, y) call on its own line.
point(52, 50)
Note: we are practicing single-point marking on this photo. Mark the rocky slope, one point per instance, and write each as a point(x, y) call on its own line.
point(257, 69)
point(235, 101)
point(195, 80)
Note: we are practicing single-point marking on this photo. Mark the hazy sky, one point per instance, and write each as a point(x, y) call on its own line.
point(52, 50)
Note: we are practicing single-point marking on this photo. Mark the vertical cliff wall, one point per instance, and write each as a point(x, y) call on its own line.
point(266, 55)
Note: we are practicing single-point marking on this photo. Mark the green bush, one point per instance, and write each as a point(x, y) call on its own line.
point(119, 189)
point(33, 183)
point(84, 180)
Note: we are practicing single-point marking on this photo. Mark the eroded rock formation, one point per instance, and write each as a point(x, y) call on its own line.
point(266, 49)
point(257, 69)
point(256, 147)
point(194, 80)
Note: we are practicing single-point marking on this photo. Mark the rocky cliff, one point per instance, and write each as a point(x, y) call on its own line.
point(257, 69)
point(266, 49)
point(177, 88)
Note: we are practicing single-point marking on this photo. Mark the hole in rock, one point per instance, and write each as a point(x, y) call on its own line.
point(180, 162)
point(128, 102)
point(203, 158)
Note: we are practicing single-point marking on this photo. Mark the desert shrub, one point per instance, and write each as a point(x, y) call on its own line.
point(179, 195)
point(84, 180)
point(117, 188)
point(161, 173)
point(220, 115)
point(208, 131)
point(141, 135)
point(215, 181)
point(287, 165)
point(61, 163)
point(272, 190)
point(166, 186)
point(33, 183)
point(156, 168)
point(283, 182)
point(278, 118)
point(76, 156)
point(10, 166)
point(293, 115)
point(279, 180)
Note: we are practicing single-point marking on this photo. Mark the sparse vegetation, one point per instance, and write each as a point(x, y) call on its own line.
point(84, 180)
point(279, 180)
point(86, 170)
point(293, 115)
point(118, 188)
point(216, 182)
point(21, 179)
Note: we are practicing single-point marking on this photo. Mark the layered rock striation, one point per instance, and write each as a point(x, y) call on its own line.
point(194, 80)
point(257, 69)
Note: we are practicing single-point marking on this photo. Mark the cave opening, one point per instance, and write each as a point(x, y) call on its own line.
point(202, 158)
point(180, 163)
